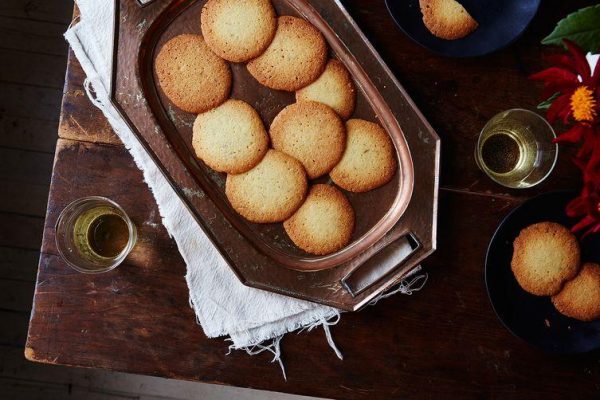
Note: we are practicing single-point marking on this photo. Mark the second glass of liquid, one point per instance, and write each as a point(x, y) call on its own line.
point(94, 234)
point(515, 149)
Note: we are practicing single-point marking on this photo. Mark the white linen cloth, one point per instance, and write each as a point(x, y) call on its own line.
point(223, 305)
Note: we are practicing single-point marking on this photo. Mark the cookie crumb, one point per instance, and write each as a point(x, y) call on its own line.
point(547, 323)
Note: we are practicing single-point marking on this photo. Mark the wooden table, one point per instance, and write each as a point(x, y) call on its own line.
point(443, 341)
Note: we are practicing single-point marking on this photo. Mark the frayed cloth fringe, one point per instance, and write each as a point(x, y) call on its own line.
point(407, 287)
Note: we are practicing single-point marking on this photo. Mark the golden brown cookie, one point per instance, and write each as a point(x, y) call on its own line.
point(238, 30)
point(230, 138)
point(447, 19)
point(334, 88)
point(191, 75)
point(580, 297)
point(295, 58)
point(312, 133)
point(369, 160)
point(324, 223)
point(269, 192)
point(545, 255)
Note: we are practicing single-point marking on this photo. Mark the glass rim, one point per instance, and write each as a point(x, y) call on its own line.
point(124, 253)
point(536, 115)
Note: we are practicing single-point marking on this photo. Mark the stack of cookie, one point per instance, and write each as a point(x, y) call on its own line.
point(269, 174)
point(546, 262)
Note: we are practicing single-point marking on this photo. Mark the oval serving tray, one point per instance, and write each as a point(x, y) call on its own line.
point(395, 226)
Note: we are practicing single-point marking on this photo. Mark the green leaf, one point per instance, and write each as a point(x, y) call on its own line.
point(581, 27)
point(544, 105)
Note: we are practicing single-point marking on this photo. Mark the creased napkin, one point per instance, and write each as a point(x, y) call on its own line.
point(223, 305)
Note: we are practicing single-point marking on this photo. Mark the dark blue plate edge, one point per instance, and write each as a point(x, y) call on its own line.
point(475, 55)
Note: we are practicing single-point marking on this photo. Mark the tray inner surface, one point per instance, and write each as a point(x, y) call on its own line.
point(370, 207)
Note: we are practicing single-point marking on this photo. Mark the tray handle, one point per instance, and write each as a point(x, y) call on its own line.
point(381, 264)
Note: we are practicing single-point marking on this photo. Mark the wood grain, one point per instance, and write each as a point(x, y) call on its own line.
point(50, 11)
point(29, 101)
point(79, 118)
point(24, 198)
point(18, 264)
point(25, 166)
point(443, 335)
point(17, 334)
point(24, 179)
point(442, 341)
point(16, 295)
point(43, 70)
point(24, 133)
point(33, 36)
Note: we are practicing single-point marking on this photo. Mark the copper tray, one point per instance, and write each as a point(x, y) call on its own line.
point(395, 225)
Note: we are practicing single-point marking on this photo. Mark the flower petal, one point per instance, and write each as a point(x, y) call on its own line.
point(576, 207)
point(592, 230)
point(583, 223)
point(573, 135)
point(589, 143)
point(591, 171)
point(555, 75)
point(581, 64)
point(561, 60)
point(555, 80)
point(559, 107)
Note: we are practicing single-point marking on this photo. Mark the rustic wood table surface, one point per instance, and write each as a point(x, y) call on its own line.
point(443, 341)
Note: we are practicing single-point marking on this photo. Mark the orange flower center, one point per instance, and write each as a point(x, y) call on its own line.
point(583, 104)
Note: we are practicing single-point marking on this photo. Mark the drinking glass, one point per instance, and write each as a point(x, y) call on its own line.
point(94, 234)
point(516, 149)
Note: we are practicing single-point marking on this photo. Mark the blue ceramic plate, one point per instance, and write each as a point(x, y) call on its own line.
point(500, 23)
point(532, 318)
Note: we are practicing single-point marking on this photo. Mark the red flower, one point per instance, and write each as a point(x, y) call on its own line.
point(578, 101)
point(576, 84)
point(586, 207)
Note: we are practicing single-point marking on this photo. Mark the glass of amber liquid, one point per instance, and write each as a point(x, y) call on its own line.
point(94, 234)
point(515, 149)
